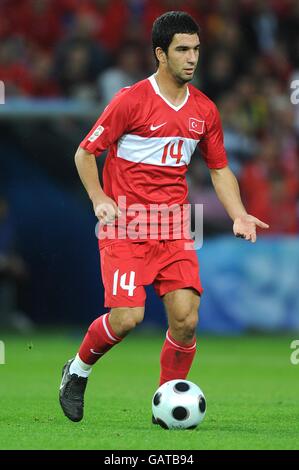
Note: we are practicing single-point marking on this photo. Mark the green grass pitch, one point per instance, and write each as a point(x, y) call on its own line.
point(250, 385)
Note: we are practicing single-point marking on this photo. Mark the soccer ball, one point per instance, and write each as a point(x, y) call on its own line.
point(179, 404)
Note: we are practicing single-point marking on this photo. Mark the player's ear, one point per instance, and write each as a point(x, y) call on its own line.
point(161, 56)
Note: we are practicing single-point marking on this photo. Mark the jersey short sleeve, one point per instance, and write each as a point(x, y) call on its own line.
point(211, 146)
point(110, 126)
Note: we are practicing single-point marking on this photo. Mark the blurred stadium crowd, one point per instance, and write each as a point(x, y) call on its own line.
point(87, 50)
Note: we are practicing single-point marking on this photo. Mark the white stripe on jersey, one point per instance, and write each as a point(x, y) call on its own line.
point(150, 150)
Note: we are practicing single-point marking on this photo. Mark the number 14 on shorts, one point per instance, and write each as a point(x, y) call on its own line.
point(130, 287)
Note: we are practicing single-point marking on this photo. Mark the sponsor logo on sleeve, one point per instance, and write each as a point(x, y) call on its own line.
point(96, 133)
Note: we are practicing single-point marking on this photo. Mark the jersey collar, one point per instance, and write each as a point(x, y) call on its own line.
point(154, 84)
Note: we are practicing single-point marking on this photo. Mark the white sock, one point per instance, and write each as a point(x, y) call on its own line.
point(80, 368)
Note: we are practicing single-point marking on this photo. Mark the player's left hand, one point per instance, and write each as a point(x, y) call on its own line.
point(245, 227)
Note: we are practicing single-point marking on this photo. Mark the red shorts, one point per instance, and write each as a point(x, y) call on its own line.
point(129, 266)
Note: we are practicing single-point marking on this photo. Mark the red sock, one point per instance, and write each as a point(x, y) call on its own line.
point(98, 340)
point(176, 359)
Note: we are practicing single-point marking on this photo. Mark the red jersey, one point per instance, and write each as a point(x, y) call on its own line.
point(151, 143)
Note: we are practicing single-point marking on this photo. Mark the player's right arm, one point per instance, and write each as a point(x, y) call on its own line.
point(110, 126)
point(105, 208)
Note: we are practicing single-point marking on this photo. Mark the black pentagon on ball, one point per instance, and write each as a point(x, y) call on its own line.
point(157, 398)
point(180, 413)
point(202, 404)
point(161, 423)
point(181, 387)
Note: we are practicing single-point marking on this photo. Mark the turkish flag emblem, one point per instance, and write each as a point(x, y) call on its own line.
point(196, 126)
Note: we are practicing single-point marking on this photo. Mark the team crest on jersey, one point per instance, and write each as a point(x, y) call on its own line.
point(96, 133)
point(195, 125)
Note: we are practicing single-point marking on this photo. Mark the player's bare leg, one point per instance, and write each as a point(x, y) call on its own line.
point(104, 333)
point(124, 319)
point(180, 345)
point(182, 307)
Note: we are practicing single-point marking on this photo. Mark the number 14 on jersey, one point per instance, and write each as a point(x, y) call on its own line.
point(173, 150)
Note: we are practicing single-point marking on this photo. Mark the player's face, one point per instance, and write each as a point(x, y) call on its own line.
point(182, 56)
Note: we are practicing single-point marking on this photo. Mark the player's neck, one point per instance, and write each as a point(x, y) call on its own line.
point(170, 89)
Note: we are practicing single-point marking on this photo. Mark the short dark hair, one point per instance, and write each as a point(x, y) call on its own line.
point(169, 24)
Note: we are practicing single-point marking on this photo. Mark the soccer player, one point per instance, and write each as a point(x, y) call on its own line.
point(151, 130)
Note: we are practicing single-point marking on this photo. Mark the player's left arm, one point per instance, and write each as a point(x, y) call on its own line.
point(224, 181)
point(228, 192)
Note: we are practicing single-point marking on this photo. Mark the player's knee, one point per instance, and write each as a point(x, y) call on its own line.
point(136, 316)
point(186, 326)
point(190, 330)
point(190, 325)
point(127, 319)
point(128, 322)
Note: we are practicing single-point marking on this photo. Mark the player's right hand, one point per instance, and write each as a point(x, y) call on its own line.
point(106, 210)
